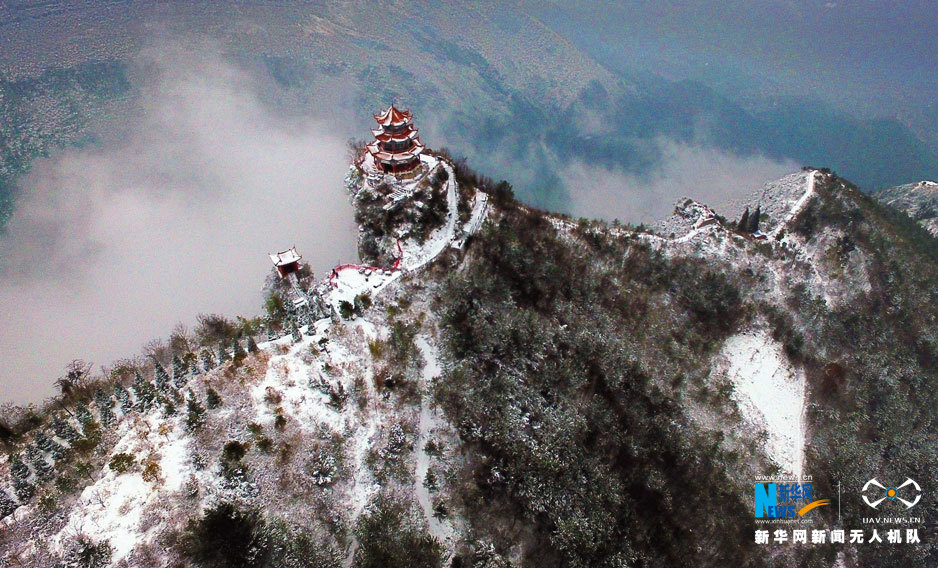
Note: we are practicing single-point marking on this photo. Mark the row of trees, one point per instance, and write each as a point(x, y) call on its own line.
point(87, 409)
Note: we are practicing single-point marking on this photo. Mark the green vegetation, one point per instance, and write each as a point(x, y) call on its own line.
point(573, 361)
point(121, 462)
point(389, 536)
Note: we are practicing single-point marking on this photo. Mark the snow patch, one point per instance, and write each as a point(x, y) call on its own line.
point(440, 529)
point(769, 392)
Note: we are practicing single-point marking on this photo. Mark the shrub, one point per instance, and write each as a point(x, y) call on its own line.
point(346, 310)
point(121, 462)
point(226, 537)
point(213, 329)
point(151, 472)
point(85, 553)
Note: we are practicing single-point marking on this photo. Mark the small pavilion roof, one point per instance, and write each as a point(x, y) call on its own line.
point(285, 257)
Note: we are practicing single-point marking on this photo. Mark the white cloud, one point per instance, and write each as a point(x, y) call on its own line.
point(706, 174)
point(110, 247)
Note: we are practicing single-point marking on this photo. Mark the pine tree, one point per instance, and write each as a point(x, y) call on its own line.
point(65, 431)
point(43, 470)
point(18, 469)
point(24, 490)
point(295, 331)
point(236, 349)
point(271, 334)
point(212, 399)
point(195, 412)
point(208, 360)
point(160, 376)
point(22, 486)
point(82, 413)
point(7, 506)
point(743, 224)
point(53, 448)
point(252, 345)
point(180, 372)
point(144, 392)
point(223, 355)
point(123, 398)
point(754, 220)
point(105, 405)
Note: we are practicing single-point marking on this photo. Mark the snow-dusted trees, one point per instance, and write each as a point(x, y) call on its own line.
point(180, 372)
point(64, 430)
point(212, 399)
point(22, 485)
point(144, 392)
point(160, 377)
point(7, 506)
point(123, 398)
point(36, 458)
point(47, 444)
point(83, 414)
point(294, 329)
point(208, 360)
point(82, 552)
point(105, 408)
point(237, 351)
point(223, 355)
point(252, 345)
point(195, 412)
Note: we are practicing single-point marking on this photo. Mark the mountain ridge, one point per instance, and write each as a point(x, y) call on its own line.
point(531, 390)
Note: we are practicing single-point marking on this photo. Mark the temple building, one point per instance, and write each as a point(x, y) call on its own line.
point(287, 262)
point(396, 149)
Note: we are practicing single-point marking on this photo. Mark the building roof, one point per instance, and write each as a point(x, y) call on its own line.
point(285, 257)
point(399, 137)
point(392, 157)
point(393, 117)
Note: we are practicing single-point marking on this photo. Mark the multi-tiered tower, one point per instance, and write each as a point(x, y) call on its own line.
point(396, 149)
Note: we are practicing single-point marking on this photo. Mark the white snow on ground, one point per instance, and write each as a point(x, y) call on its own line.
point(799, 205)
point(350, 282)
point(440, 529)
point(769, 392)
point(406, 188)
point(112, 508)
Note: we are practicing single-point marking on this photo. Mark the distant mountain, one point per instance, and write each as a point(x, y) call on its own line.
point(918, 200)
point(504, 85)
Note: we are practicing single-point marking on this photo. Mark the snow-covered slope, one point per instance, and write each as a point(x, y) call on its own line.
point(340, 417)
point(917, 200)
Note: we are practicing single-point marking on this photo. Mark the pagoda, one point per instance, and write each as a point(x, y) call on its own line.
point(396, 149)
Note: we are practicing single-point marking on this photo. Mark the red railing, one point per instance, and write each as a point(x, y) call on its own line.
point(337, 269)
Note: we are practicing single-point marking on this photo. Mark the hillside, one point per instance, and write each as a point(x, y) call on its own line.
point(917, 200)
point(499, 386)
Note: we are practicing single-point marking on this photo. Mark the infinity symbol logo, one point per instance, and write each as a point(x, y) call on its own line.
point(891, 493)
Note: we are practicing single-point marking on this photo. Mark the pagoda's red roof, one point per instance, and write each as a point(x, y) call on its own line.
point(393, 117)
point(405, 156)
point(410, 133)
